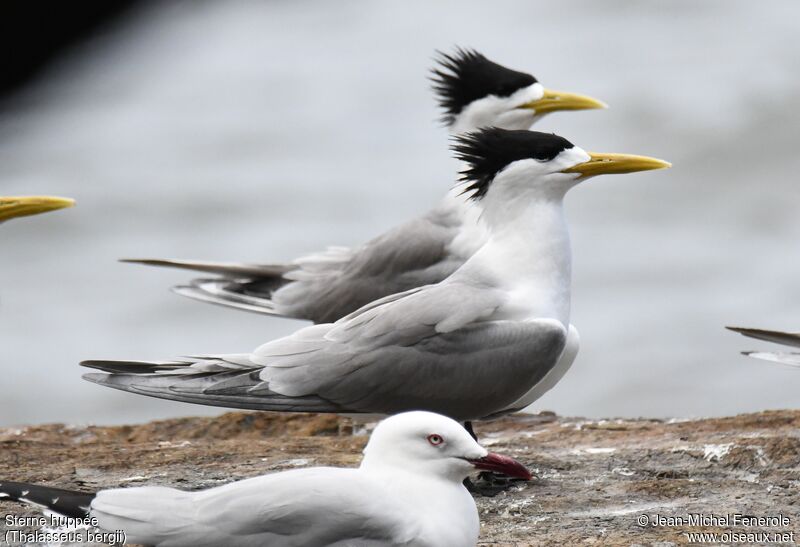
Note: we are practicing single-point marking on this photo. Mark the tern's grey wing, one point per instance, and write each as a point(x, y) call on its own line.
point(471, 373)
point(326, 286)
point(411, 255)
point(779, 337)
point(433, 349)
point(219, 380)
point(304, 507)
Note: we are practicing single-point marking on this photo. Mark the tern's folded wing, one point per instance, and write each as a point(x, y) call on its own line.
point(434, 349)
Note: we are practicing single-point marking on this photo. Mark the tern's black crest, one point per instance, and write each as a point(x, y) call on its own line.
point(466, 76)
point(489, 151)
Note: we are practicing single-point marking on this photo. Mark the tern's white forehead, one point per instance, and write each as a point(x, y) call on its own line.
point(503, 112)
point(533, 92)
point(522, 171)
point(570, 157)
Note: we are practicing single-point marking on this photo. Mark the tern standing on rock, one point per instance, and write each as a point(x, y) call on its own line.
point(473, 92)
point(472, 346)
point(407, 491)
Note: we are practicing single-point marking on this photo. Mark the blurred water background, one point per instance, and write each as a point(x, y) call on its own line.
point(257, 131)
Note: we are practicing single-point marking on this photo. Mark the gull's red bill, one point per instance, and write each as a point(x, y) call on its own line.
point(502, 464)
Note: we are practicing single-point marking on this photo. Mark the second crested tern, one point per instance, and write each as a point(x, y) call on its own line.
point(473, 92)
point(468, 347)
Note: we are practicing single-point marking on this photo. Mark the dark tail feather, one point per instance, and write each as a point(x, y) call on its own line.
point(230, 390)
point(231, 269)
point(137, 367)
point(776, 336)
point(64, 502)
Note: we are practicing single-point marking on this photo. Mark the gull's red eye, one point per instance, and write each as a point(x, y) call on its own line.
point(435, 439)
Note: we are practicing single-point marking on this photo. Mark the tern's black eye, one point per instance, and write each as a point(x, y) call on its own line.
point(435, 439)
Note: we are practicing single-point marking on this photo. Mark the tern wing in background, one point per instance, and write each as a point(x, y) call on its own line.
point(778, 337)
point(327, 286)
point(432, 348)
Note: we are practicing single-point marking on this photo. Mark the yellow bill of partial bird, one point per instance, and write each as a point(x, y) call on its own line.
point(20, 206)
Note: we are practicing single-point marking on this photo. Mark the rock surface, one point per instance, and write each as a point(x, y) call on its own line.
point(594, 479)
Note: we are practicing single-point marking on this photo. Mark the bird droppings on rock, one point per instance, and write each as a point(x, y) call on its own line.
point(579, 495)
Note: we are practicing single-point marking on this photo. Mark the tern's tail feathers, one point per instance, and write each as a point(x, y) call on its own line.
point(791, 359)
point(232, 293)
point(225, 381)
point(228, 269)
point(241, 286)
point(776, 336)
point(64, 502)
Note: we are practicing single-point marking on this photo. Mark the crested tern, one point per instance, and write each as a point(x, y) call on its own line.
point(470, 346)
point(473, 92)
point(407, 491)
point(20, 206)
point(791, 339)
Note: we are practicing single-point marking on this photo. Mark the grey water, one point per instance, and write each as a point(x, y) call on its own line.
point(258, 131)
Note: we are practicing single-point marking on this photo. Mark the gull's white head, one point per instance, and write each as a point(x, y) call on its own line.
point(475, 92)
point(431, 444)
point(507, 170)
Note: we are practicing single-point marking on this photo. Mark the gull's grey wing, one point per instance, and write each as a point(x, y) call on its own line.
point(431, 348)
point(303, 507)
point(327, 286)
point(776, 336)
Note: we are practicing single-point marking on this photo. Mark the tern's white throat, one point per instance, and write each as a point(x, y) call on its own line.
point(527, 252)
